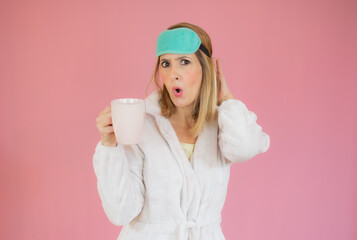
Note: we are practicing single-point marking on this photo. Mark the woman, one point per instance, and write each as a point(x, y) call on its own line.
point(173, 184)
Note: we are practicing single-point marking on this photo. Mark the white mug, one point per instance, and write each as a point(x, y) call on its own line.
point(128, 115)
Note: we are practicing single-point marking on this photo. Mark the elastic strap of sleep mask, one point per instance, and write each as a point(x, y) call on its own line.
point(204, 50)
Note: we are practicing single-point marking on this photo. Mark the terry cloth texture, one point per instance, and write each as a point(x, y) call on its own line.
point(157, 194)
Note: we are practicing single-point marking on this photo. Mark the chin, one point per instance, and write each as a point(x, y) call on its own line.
point(181, 103)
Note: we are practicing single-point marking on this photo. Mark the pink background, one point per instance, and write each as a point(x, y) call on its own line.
point(293, 63)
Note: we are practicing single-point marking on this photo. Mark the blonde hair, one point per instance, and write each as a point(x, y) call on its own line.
point(205, 104)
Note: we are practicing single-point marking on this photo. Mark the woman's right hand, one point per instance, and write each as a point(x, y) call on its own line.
point(105, 127)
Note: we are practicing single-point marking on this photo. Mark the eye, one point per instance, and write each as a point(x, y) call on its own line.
point(164, 64)
point(185, 61)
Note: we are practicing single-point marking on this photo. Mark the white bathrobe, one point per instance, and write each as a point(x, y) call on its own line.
point(157, 193)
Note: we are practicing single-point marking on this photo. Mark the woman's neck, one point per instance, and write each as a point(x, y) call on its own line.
point(183, 118)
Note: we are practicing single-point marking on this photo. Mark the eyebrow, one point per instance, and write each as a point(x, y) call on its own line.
point(179, 58)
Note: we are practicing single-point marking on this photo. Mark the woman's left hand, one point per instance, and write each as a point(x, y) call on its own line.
point(223, 91)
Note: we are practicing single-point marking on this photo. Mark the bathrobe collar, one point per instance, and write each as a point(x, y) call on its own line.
point(208, 132)
point(152, 103)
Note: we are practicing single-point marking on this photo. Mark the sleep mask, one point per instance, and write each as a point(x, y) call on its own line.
point(179, 41)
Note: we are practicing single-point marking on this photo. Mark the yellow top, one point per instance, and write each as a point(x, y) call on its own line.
point(188, 148)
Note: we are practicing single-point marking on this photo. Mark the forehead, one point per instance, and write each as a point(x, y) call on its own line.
point(174, 56)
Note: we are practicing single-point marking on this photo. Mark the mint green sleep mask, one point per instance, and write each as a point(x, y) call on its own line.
point(179, 41)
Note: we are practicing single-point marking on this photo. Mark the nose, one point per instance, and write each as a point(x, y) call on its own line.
point(174, 73)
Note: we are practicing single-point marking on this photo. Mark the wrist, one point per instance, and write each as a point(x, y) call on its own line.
point(110, 144)
point(226, 97)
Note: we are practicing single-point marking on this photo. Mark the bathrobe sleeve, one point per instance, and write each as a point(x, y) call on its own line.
point(240, 137)
point(120, 181)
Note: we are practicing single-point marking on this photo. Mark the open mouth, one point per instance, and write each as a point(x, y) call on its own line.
point(177, 91)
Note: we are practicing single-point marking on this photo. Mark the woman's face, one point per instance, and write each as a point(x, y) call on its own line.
point(182, 77)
